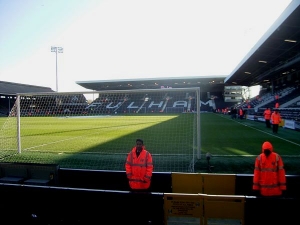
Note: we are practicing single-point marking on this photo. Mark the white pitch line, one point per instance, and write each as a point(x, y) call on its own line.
point(54, 142)
point(264, 132)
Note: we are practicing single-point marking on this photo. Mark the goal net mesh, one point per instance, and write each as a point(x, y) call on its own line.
point(96, 130)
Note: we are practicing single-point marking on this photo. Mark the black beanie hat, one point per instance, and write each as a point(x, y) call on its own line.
point(140, 140)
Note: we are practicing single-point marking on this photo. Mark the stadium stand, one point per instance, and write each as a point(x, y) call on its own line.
point(8, 91)
point(89, 197)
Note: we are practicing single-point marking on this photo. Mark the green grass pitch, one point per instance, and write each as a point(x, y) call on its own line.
point(102, 143)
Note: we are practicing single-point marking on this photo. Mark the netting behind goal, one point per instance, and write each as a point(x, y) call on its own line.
point(96, 130)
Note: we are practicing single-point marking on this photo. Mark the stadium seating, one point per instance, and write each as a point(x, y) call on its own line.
point(29, 173)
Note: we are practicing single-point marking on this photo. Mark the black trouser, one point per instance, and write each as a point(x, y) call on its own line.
point(268, 124)
point(275, 128)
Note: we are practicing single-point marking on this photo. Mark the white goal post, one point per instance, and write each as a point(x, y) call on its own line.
point(96, 130)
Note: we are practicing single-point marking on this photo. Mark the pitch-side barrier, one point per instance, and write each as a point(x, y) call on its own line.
point(91, 196)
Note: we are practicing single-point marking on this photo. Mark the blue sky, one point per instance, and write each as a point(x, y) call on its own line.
point(125, 39)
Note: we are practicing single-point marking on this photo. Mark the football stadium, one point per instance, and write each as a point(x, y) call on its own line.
point(63, 154)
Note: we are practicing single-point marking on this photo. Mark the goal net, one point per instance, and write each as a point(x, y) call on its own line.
point(96, 130)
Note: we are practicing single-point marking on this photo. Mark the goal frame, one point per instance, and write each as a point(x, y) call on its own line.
point(196, 110)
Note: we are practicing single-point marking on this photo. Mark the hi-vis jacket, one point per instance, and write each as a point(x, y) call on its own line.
point(139, 169)
point(269, 175)
point(276, 118)
point(267, 114)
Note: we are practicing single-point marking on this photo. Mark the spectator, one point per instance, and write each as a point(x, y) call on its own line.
point(233, 113)
point(269, 174)
point(276, 120)
point(267, 116)
point(241, 113)
point(139, 167)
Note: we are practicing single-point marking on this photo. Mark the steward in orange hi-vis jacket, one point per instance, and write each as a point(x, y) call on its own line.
point(269, 174)
point(139, 167)
point(276, 120)
point(267, 116)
